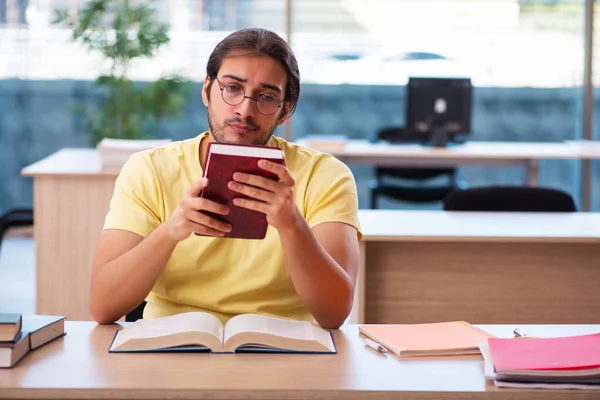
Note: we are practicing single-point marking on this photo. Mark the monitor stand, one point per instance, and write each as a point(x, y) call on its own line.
point(439, 137)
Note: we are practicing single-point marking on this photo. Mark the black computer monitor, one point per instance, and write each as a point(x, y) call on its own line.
point(438, 108)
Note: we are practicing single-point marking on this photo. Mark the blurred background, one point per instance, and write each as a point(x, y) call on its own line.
point(525, 59)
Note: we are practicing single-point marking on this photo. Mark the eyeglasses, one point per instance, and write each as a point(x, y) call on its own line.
point(234, 94)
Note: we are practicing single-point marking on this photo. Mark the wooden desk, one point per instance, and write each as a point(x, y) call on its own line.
point(416, 266)
point(424, 266)
point(71, 195)
point(79, 366)
point(523, 154)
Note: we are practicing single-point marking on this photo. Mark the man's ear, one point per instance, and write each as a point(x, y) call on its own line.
point(285, 113)
point(205, 91)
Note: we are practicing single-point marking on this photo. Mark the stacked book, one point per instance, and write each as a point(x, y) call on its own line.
point(20, 334)
point(115, 152)
point(325, 143)
point(571, 362)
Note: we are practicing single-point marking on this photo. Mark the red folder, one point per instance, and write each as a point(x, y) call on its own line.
point(223, 161)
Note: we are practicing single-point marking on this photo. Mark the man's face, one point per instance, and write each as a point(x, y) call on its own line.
point(243, 123)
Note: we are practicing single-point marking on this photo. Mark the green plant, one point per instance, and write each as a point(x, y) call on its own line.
point(122, 31)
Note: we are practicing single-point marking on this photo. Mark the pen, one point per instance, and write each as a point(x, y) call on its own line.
point(375, 346)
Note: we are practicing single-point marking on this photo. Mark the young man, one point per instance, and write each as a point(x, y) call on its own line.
point(306, 266)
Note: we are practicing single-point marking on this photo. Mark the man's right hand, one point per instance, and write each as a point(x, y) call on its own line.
point(188, 218)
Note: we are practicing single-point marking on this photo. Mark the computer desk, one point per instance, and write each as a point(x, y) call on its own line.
point(415, 266)
point(78, 365)
point(470, 153)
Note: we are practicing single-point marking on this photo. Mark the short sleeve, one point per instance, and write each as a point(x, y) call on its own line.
point(332, 195)
point(135, 204)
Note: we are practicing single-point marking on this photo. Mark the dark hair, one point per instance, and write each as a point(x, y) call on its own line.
point(256, 41)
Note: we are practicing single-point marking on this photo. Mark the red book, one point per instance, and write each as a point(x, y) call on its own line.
point(572, 355)
point(222, 162)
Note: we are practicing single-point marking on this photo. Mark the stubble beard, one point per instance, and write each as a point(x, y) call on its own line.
point(218, 131)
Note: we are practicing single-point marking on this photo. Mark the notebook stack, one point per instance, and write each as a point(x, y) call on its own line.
point(115, 152)
point(14, 345)
point(325, 142)
point(20, 334)
point(571, 362)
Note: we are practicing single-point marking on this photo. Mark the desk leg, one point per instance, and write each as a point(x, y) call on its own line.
point(357, 314)
point(532, 172)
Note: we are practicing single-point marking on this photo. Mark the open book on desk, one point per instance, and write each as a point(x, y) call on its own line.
point(201, 331)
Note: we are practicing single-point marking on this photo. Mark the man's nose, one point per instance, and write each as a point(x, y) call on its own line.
point(247, 108)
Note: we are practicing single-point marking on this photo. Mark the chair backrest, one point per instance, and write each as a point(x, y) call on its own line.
point(399, 135)
point(510, 198)
point(136, 313)
point(17, 217)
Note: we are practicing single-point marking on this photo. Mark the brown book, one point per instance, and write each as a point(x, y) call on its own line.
point(10, 325)
point(12, 352)
point(43, 329)
point(223, 161)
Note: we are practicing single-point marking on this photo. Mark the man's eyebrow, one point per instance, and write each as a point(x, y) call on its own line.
point(272, 87)
point(236, 78)
point(262, 84)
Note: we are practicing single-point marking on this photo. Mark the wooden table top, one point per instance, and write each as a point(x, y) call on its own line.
point(468, 150)
point(86, 161)
point(71, 161)
point(465, 226)
point(79, 366)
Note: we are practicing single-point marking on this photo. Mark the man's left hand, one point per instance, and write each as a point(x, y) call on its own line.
point(273, 198)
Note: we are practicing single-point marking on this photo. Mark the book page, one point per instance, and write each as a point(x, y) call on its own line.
point(265, 324)
point(263, 328)
point(172, 325)
point(245, 150)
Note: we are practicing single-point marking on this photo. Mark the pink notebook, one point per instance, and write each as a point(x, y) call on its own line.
point(442, 338)
point(550, 354)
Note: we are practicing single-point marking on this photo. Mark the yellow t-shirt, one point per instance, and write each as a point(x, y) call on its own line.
point(223, 276)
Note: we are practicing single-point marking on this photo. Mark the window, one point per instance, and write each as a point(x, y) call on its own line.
point(33, 48)
point(525, 60)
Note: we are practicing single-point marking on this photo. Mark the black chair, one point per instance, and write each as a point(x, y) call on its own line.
point(510, 198)
point(420, 189)
point(136, 313)
point(16, 217)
